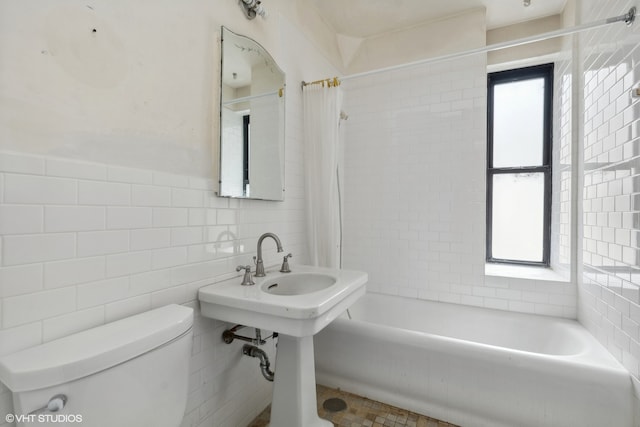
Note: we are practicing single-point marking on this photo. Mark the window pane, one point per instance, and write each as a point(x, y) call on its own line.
point(518, 123)
point(518, 216)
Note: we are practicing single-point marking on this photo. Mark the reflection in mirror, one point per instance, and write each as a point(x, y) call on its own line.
point(623, 280)
point(251, 121)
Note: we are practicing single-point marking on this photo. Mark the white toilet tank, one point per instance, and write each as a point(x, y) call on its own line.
point(129, 373)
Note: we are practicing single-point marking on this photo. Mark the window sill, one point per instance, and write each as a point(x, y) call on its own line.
point(525, 272)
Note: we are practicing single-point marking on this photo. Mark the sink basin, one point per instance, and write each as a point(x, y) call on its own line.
point(297, 305)
point(297, 283)
point(302, 303)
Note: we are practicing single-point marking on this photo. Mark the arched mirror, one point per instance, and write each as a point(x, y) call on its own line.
point(251, 121)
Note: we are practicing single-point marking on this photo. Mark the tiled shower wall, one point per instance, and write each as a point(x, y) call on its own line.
point(609, 295)
point(412, 140)
point(415, 149)
point(562, 165)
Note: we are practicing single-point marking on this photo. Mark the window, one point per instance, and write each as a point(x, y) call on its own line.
point(246, 131)
point(519, 129)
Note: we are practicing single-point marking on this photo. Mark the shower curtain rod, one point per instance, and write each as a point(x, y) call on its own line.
point(627, 18)
point(331, 82)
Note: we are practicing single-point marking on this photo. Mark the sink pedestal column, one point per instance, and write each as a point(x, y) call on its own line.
point(294, 390)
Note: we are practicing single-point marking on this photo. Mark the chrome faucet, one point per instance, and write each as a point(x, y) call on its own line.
point(247, 280)
point(285, 264)
point(259, 262)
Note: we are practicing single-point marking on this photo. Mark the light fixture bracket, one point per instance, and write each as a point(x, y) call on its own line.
point(251, 8)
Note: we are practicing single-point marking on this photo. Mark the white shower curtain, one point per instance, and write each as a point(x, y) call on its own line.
point(322, 136)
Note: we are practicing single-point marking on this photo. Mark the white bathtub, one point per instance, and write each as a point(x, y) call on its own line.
point(473, 366)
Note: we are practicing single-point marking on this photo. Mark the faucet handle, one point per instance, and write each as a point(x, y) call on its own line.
point(285, 264)
point(247, 280)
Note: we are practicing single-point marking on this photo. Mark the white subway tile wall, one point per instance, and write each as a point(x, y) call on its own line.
point(562, 165)
point(610, 292)
point(414, 210)
point(415, 141)
point(93, 243)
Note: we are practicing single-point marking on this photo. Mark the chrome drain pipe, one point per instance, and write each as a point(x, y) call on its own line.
point(230, 334)
point(253, 351)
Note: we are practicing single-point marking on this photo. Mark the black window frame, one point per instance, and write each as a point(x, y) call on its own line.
point(246, 126)
point(545, 71)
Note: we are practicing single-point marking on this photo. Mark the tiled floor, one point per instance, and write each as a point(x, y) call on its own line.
point(362, 412)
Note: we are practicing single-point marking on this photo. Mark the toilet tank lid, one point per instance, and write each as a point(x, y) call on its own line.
point(87, 352)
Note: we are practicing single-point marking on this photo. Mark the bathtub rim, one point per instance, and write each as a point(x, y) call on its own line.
point(342, 362)
point(604, 362)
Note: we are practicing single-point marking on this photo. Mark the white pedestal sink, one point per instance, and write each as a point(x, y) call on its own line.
point(297, 305)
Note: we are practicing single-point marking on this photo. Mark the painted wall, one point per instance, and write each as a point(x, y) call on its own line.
point(68, 64)
point(522, 30)
point(106, 177)
point(609, 291)
point(429, 39)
